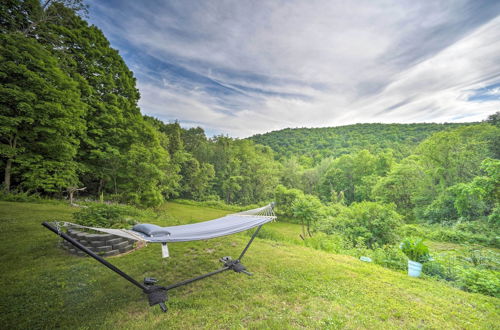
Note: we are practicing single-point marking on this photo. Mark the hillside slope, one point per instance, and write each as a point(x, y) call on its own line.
point(293, 286)
point(335, 141)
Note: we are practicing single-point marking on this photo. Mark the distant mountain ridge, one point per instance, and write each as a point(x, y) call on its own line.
point(323, 142)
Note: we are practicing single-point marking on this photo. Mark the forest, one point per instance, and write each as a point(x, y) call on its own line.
point(69, 119)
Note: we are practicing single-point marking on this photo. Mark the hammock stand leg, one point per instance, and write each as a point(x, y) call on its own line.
point(157, 295)
point(228, 264)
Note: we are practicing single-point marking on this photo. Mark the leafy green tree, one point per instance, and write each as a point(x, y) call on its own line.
point(285, 198)
point(402, 185)
point(40, 117)
point(469, 200)
point(346, 174)
point(308, 209)
point(494, 119)
point(291, 173)
point(455, 156)
point(368, 224)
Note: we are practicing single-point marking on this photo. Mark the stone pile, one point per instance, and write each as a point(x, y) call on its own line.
point(105, 245)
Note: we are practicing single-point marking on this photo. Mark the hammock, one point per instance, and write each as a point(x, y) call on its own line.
point(227, 225)
point(149, 233)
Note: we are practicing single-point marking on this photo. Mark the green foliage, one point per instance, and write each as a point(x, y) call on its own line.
point(106, 216)
point(475, 232)
point(481, 281)
point(309, 210)
point(442, 209)
point(26, 197)
point(366, 223)
point(321, 143)
point(494, 119)
point(402, 185)
point(469, 200)
point(40, 117)
point(390, 256)
point(354, 175)
point(284, 199)
point(329, 243)
point(494, 217)
point(218, 204)
point(415, 249)
point(455, 156)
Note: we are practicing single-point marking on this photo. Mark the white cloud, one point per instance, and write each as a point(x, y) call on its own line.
point(308, 63)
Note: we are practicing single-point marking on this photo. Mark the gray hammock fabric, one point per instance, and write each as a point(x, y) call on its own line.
point(227, 225)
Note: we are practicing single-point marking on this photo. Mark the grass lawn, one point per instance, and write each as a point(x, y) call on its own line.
point(293, 287)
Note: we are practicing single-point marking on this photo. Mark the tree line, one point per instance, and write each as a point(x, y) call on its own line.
point(69, 118)
point(451, 177)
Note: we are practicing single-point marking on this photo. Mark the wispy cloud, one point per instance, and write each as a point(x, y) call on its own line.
point(244, 67)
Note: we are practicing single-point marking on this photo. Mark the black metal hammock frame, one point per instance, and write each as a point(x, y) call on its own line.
point(157, 295)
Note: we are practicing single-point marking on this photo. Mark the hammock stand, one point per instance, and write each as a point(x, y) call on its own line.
point(157, 295)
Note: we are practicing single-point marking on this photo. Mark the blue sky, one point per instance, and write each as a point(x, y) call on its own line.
point(246, 67)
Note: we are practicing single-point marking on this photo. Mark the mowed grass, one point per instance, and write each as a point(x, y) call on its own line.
point(293, 286)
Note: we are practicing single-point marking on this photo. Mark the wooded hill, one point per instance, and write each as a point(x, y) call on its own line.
point(319, 143)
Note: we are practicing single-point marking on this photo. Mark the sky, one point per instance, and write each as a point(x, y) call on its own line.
point(240, 68)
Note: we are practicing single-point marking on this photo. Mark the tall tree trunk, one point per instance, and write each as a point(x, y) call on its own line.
point(6, 181)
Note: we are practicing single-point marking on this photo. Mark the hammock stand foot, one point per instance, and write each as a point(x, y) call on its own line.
point(157, 295)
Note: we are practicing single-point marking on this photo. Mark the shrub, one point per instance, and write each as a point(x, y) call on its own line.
point(411, 230)
point(106, 216)
point(24, 197)
point(481, 258)
point(390, 256)
point(366, 223)
point(443, 267)
point(494, 217)
point(285, 198)
point(470, 232)
point(481, 281)
point(415, 250)
point(328, 243)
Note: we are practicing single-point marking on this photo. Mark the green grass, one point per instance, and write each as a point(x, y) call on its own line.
point(293, 286)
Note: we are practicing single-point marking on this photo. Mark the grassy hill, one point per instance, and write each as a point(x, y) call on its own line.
point(335, 141)
point(293, 286)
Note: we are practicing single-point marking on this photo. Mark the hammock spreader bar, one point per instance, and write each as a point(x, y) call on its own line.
point(157, 295)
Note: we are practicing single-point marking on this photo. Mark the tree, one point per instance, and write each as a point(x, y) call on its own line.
point(402, 185)
point(40, 117)
point(346, 174)
point(494, 119)
point(368, 224)
point(308, 209)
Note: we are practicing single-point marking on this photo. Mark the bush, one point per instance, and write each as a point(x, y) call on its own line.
point(369, 224)
point(328, 243)
point(412, 231)
point(390, 256)
point(481, 281)
point(444, 266)
point(494, 217)
point(285, 198)
point(24, 197)
point(106, 216)
point(468, 232)
point(415, 250)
